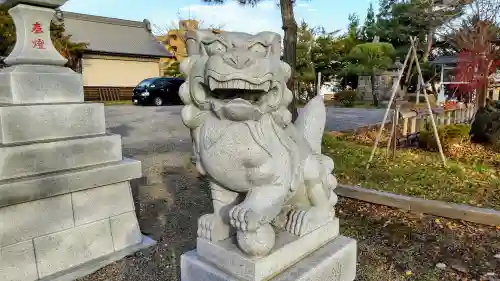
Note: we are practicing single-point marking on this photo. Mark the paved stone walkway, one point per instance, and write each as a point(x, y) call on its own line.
point(340, 119)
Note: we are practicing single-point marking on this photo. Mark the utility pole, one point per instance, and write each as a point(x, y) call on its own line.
point(318, 84)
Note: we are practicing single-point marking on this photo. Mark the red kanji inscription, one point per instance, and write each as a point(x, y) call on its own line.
point(38, 44)
point(37, 28)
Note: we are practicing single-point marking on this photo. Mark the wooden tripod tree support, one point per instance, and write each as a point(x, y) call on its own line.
point(411, 52)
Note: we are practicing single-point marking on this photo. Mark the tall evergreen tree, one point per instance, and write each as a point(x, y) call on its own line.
point(369, 28)
point(397, 20)
point(352, 38)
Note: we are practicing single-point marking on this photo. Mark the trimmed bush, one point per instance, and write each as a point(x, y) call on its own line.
point(448, 135)
point(486, 125)
point(346, 97)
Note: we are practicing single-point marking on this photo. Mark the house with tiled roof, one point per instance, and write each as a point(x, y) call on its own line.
point(120, 54)
point(494, 86)
point(447, 64)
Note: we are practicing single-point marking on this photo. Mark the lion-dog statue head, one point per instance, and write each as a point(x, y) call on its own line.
point(236, 76)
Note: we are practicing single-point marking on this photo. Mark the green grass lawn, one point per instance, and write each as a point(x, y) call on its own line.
point(416, 173)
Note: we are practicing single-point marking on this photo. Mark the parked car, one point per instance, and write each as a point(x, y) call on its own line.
point(157, 91)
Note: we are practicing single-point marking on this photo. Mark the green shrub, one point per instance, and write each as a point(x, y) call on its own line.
point(346, 97)
point(448, 135)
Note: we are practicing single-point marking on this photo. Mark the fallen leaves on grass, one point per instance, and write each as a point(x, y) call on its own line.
point(466, 151)
point(415, 172)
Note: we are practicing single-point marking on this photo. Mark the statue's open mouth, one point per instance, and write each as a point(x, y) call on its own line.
point(248, 89)
point(239, 97)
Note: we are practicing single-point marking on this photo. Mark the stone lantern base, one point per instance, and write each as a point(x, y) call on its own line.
point(66, 207)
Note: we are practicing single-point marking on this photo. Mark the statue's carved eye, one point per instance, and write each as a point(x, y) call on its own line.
point(215, 47)
point(258, 48)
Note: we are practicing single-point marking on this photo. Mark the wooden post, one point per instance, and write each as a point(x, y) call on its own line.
point(405, 126)
point(413, 124)
point(419, 86)
point(448, 117)
point(391, 100)
point(434, 127)
point(395, 130)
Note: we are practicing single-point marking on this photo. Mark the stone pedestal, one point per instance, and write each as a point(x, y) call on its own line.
point(66, 207)
point(321, 255)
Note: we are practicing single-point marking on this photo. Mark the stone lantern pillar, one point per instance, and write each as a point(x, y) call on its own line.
point(66, 207)
point(395, 69)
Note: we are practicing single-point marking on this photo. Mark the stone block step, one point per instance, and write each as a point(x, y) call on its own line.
point(29, 123)
point(58, 251)
point(18, 262)
point(75, 252)
point(33, 219)
point(15, 191)
point(26, 84)
point(45, 157)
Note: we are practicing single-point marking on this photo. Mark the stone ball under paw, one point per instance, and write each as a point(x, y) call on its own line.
point(258, 243)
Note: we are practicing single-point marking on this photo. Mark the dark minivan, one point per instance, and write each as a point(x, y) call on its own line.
point(157, 91)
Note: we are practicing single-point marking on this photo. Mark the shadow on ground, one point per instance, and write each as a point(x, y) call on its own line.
point(122, 129)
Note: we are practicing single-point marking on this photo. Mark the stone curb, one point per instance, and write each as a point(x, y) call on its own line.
point(419, 205)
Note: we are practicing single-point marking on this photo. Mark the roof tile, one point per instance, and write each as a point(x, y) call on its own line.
point(109, 35)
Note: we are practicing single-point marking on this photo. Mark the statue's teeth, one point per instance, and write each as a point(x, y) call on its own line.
point(265, 86)
point(212, 83)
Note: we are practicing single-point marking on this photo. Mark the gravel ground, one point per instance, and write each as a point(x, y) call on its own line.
point(170, 197)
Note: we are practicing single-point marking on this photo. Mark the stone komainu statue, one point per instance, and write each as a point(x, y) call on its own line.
point(266, 174)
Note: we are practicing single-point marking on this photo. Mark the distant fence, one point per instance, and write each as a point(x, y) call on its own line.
point(412, 121)
point(107, 93)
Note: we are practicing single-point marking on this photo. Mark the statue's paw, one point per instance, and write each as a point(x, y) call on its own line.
point(209, 226)
point(244, 219)
point(301, 222)
point(296, 221)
